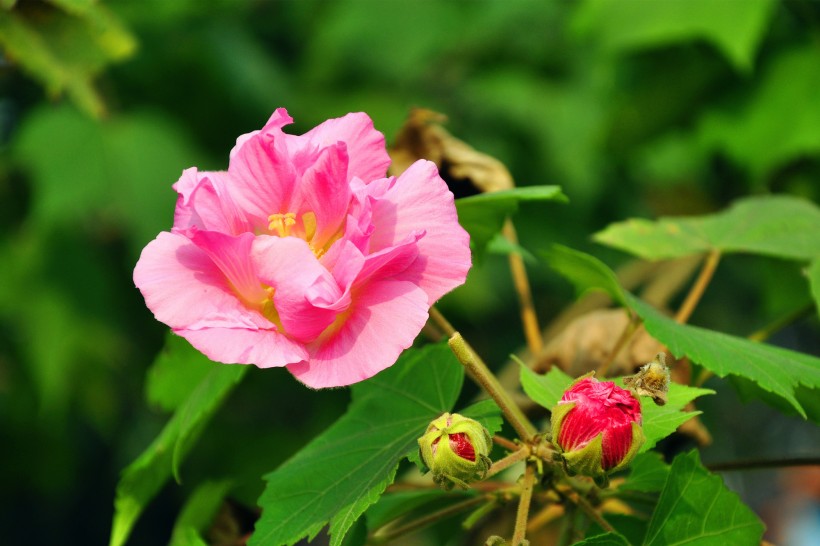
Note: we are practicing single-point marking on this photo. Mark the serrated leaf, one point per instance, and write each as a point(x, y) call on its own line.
point(735, 28)
point(174, 373)
point(547, 389)
point(584, 271)
point(336, 477)
point(695, 507)
point(647, 472)
point(143, 478)
point(780, 226)
point(607, 539)
point(779, 371)
point(198, 513)
point(483, 215)
point(661, 421)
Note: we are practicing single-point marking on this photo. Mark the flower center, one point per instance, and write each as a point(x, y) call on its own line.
point(281, 224)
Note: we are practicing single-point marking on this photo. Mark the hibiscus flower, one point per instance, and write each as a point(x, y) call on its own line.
point(303, 254)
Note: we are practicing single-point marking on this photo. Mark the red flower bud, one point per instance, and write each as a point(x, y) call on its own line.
point(596, 427)
point(455, 449)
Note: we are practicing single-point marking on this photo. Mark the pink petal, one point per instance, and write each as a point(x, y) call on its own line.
point(232, 255)
point(263, 176)
point(578, 429)
point(420, 201)
point(204, 203)
point(306, 295)
point(365, 145)
point(262, 348)
point(616, 443)
point(325, 192)
point(383, 321)
point(185, 289)
point(391, 261)
point(277, 120)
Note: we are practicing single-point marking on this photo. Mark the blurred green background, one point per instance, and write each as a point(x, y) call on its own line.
point(635, 108)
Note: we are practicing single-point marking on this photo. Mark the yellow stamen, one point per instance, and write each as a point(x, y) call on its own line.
point(309, 221)
point(281, 223)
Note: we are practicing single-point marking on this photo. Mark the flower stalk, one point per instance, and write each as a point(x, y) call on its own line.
point(479, 371)
point(520, 532)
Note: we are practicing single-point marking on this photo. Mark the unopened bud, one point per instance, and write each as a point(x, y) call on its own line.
point(597, 427)
point(456, 450)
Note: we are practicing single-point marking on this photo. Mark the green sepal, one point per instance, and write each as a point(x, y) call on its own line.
point(558, 413)
point(448, 467)
point(587, 460)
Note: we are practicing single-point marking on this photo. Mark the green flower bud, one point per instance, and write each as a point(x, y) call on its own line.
point(456, 450)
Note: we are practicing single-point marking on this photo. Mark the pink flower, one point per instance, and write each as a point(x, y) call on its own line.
point(596, 426)
point(302, 254)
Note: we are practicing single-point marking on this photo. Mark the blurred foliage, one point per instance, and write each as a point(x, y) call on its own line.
point(634, 109)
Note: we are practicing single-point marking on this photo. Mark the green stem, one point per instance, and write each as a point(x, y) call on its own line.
point(520, 532)
point(511, 459)
point(697, 290)
point(480, 373)
point(629, 330)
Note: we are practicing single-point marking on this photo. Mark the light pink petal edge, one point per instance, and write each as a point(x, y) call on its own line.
point(419, 200)
point(384, 320)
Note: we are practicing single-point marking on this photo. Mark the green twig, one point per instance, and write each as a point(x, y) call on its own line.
point(479, 371)
point(520, 532)
point(511, 459)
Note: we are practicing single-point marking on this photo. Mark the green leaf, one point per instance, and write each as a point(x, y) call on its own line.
point(113, 181)
point(483, 215)
point(198, 513)
point(813, 273)
point(394, 505)
point(65, 50)
point(487, 413)
point(584, 271)
point(174, 373)
point(647, 472)
point(695, 507)
point(631, 528)
point(779, 226)
point(765, 132)
point(776, 370)
point(143, 478)
point(346, 469)
point(661, 421)
point(607, 539)
point(735, 28)
point(547, 389)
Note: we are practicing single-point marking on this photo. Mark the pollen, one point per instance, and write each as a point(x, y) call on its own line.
point(281, 224)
